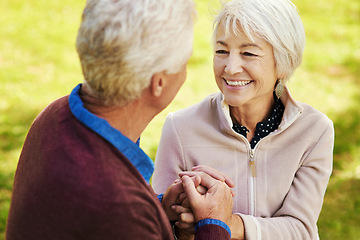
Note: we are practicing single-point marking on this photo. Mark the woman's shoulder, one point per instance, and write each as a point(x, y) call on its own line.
point(311, 112)
point(314, 121)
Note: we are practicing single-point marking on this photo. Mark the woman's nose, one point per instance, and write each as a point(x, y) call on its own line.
point(234, 64)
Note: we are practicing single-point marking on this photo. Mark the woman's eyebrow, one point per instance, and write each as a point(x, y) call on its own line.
point(250, 45)
point(245, 45)
point(222, 43)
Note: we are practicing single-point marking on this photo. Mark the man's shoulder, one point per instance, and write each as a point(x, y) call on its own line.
point(56, 110)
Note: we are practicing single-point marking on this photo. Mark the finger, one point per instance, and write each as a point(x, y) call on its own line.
point(174, 191)
point(186, 203)
point(193, 175)
point(180, 209)
point(207, 181)
point(172, 194)
point(215, 174)
point(211, 171)
point(187, 217)
point(201, 189)
point(189, 174)
point(204, 177)
point(181, 198)
point(189, 188)
point(178, 180)
point(169, 199)
point(186, 227)
point(196, 180)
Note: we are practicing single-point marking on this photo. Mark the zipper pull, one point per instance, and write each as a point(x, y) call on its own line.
point(252, 163)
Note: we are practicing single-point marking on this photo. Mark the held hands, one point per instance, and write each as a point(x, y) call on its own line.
point(216, 203)
point(171, 196)
point(211, 172)
point(205, 193)
point(186, 222)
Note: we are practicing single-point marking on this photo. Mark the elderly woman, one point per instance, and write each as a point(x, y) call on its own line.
point(278, 151)
point(81, 173)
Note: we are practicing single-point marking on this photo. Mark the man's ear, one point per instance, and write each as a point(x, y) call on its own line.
point(157, 84)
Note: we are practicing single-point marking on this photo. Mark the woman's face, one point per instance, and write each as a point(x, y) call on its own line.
point(244, 70)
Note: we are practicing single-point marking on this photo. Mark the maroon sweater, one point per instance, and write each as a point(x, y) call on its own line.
point(73, 184)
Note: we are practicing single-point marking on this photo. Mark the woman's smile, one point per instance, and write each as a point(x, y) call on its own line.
point(237, 83)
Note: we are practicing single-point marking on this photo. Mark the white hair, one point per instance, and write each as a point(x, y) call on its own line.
point(276, 21)
point(123, 43)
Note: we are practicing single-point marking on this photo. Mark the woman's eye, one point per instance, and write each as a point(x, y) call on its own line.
point(221, 52)
point(249, 54)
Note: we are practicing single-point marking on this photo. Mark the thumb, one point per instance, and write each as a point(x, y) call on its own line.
point(189, 188)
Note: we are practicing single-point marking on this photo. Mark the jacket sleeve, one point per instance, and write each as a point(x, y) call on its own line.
point(297, 217)
point(169, 158)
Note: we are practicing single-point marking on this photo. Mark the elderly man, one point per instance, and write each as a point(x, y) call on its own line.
point(81, 173)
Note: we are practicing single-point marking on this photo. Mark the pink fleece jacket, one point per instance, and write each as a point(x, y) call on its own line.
point(293, 164)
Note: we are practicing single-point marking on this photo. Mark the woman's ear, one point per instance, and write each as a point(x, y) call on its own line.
point(157, 84)
point(282, 76)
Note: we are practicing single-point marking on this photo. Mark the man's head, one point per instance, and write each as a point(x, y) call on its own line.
point(123, 43)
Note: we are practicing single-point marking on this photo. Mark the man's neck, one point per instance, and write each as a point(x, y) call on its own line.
point(130, 120)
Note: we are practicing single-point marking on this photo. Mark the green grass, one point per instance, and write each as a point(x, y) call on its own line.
point(38, 64)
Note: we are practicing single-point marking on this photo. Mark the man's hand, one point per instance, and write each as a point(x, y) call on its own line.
point(172, 195)
point(216, 203)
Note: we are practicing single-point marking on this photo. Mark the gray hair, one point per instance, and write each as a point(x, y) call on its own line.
point(123, 43)
point(276, 21)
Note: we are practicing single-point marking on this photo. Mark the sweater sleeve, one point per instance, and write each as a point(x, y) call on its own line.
point(212, 232)
point(169, 158)
point(297, 217)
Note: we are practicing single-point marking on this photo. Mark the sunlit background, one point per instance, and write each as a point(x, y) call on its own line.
point(38, 64)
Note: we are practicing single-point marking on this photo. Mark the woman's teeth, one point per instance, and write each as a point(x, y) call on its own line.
point(237, 83)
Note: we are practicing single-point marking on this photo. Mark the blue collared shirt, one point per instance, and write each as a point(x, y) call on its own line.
point(129, 149)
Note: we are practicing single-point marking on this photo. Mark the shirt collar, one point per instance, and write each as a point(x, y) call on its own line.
point(129, 149)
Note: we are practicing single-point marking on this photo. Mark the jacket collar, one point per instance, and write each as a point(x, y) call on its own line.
point(292, 111)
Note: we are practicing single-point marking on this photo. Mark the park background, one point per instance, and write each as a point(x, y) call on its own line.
point(38, 64)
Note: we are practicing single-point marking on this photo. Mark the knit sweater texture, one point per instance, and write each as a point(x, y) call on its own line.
point(73, 184)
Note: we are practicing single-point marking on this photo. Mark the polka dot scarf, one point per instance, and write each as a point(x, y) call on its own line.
point(264, 128)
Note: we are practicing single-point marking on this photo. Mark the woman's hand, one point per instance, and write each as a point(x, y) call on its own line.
point(215, 174)
point(212, 172)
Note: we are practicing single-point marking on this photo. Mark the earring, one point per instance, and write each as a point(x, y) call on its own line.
point(279, 89)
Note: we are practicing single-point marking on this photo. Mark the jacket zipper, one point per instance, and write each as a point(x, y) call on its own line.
point(252, 181)
point(252, 163)
point(253, 168)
